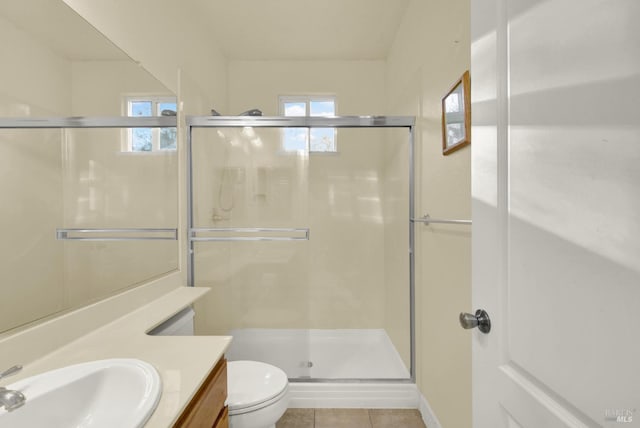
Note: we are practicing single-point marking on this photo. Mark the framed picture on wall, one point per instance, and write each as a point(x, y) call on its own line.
point(456, 116)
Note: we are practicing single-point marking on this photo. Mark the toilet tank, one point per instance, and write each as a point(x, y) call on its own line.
point(181, 324)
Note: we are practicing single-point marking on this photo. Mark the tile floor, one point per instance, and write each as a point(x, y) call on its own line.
point(351, 418)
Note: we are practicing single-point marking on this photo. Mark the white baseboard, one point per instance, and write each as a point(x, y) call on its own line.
point(353, 395)
point(428, 417)
point(361, 396)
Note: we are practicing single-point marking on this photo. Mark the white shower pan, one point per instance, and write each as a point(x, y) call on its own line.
point(360, 361)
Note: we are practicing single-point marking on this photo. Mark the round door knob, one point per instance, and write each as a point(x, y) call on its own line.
point(480, 320)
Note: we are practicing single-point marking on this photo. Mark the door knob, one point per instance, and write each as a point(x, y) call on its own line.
point(480, 320)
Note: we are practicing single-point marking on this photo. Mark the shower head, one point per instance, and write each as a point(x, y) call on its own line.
point(252, 112)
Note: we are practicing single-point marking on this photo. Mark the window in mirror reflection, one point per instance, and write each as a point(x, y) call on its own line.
point(151, 139)
point(455, 116)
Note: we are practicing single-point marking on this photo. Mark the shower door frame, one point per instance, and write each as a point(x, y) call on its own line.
point(407, 122)
point(100, 122)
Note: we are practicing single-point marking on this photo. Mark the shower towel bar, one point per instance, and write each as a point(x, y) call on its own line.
point(426, 219)
point(88, 122)
point(141, 234)
point(249, 230)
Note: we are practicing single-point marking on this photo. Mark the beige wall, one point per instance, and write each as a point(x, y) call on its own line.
point(429, 54)
point(358, 85)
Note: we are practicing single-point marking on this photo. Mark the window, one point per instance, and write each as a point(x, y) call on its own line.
point(316, 139)
point(150, 139)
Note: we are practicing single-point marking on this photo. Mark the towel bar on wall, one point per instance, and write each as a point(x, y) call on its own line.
point(141, 234)
point(426, 219)
point(247, 234)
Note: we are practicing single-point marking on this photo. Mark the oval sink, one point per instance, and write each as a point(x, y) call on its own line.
point(105, 393)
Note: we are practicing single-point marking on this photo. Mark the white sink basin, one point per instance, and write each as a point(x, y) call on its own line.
point(107, 393)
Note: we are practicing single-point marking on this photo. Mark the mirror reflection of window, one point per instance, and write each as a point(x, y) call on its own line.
point(455, 133)
point(454, 115)
point(452, 104)
point(151, 139)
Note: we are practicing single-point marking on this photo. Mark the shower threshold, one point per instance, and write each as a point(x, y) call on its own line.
point(342, 368)
point(321, 354)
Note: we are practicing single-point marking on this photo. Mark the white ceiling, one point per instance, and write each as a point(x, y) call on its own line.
point(60, 28)
point(302, 29)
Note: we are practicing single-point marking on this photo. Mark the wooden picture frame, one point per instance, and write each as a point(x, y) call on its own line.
point(456, 116)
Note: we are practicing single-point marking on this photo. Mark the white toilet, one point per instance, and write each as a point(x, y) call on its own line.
point(257, 393)
point(257, 396)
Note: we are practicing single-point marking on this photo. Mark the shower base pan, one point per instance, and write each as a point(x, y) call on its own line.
point(332, 368)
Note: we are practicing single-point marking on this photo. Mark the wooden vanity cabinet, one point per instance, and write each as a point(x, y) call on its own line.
point(207, 409)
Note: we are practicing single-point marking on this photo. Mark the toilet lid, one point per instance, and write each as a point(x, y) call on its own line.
point(250, 383)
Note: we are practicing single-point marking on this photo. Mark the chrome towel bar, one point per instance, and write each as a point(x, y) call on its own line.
point(426, 219)
point(131, 234)
point(268, 234)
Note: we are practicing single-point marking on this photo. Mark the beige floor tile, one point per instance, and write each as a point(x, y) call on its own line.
point(342, 418)
point(296, 418)
point(396, 418)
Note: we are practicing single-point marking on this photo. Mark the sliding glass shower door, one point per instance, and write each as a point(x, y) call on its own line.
point(306, 253)
point(251, 222)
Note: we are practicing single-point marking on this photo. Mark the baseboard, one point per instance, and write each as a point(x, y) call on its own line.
point(353, 395)
point(428, 417)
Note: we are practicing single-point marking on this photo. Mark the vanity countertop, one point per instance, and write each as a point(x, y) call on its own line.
point(182, 361)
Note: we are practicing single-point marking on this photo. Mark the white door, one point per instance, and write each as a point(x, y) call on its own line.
point(556, 212)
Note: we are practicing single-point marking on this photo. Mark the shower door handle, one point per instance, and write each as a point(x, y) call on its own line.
point(480, 320)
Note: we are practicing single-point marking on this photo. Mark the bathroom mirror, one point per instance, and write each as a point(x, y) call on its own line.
point(57, 65)
point(456, 116)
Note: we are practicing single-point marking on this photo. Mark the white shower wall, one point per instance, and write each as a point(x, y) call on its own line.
point(334, 280)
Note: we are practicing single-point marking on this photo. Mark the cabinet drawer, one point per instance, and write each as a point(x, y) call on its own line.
point(223, 421)
point(207, 405)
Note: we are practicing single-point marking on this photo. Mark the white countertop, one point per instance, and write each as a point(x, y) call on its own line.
point(182, 361)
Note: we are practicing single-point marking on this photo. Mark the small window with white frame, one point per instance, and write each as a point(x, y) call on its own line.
point(151, 139)
point(316, 140)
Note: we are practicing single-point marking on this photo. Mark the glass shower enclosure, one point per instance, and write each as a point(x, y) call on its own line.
point(308, 254)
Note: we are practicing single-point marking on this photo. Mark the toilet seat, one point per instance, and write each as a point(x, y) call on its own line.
point(243, 410)
point(253, 385)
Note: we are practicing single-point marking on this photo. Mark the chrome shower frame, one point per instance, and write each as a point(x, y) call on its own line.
point(407, 122)
point(91, 122)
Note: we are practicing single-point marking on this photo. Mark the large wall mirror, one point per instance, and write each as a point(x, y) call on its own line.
point(54, 64)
